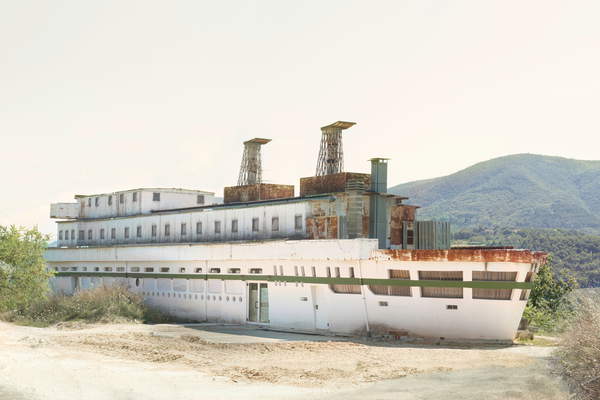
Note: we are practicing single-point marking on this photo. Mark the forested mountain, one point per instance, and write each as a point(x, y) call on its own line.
point(522, 190)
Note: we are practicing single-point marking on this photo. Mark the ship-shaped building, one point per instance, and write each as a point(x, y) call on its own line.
point(342, 257)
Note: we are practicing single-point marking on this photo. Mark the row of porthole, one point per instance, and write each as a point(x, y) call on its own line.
point(189, 296)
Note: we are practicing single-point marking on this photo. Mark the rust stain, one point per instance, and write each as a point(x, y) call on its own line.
point(260, 191)
point(333, 183)
point(400, 213)
point(467, 255)
point(322, 227)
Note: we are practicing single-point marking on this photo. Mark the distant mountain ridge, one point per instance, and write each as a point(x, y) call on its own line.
point(521, 190)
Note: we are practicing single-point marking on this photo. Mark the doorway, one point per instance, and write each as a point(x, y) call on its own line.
point(258, 302)
point(319, 308)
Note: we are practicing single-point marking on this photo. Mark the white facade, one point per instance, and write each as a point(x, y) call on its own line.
point(131, 202)
point(258, 222)
point(213, 282)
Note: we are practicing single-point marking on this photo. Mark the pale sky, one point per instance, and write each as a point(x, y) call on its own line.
point(99, 96)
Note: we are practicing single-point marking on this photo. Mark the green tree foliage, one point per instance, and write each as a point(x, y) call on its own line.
point(548, 305)
point(23, 275)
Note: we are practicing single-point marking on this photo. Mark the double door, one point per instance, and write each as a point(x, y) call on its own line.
point(258, 302)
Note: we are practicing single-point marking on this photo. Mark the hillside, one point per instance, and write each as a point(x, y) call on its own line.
point(522, 191)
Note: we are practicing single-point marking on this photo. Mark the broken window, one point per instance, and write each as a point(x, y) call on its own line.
point(442, 290)
point(493, 294)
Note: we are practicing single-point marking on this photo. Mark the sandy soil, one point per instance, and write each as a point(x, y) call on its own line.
point(131, 361)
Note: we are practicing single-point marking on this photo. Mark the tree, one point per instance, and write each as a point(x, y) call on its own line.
point(547, 305)
point(23, 275)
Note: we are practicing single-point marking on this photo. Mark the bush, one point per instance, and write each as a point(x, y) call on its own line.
point(23, 275)
point(103, 304)
point(578, 358)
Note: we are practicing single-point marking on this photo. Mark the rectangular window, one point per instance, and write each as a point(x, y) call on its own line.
point(351, 270)
point(60, 235)
point(298, 222)
point(337, 272)
point(165, 269)
point(113, 233)
point(275, 224)
point(256, 270)
point(198, 270)
point(493, 294)
point(329, 272)
point(134, 197)
point(138, 231)
point(89, 234)
point(314, 272)
point(110, 200)
point(156, 196)
point(451, 307)
point(524, 292)
point(234, 270)
point(302, 270)
point(347, 289)
point(182, 269)
point(281, 270)
point(217, 226)
point(126, 233)
point(234, 226)
point(97, 201)
point(393, 290)
point(215, 270)
point(200, 199)
point(296, 270)
point(89, 201)
point(148, 269)
point(198, 228)
point(121, 198)
point(275, 270)
point(80, 236)
point(255, 222)
point(167, 230)
point(153, 230)
point(67, 235)
point(72, 234)
point(441, 292)
point(183, 229)
point(102, 233)
point(120, 269)
point(108, 269)
point(135, 269)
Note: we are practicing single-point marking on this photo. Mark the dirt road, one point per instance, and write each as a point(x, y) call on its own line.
point(216, 362)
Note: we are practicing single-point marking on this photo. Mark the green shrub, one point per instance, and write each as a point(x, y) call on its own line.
point(103, 304)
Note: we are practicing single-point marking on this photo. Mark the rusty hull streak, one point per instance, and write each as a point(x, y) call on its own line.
point(467, 255)
point(400, 213)
point(259, 191)
point(332, 183)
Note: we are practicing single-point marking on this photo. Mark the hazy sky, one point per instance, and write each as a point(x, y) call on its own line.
point(98, 96)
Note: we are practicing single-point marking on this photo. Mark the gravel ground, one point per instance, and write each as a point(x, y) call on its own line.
point(176, 362)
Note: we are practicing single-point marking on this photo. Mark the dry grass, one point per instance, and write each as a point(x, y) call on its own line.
point(579, 354)
point(103, 304)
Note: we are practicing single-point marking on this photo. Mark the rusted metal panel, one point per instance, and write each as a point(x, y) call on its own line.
point(332, 183)
point(322, 227)
point(467, 255)
point(399, 214)
point(261, 191)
